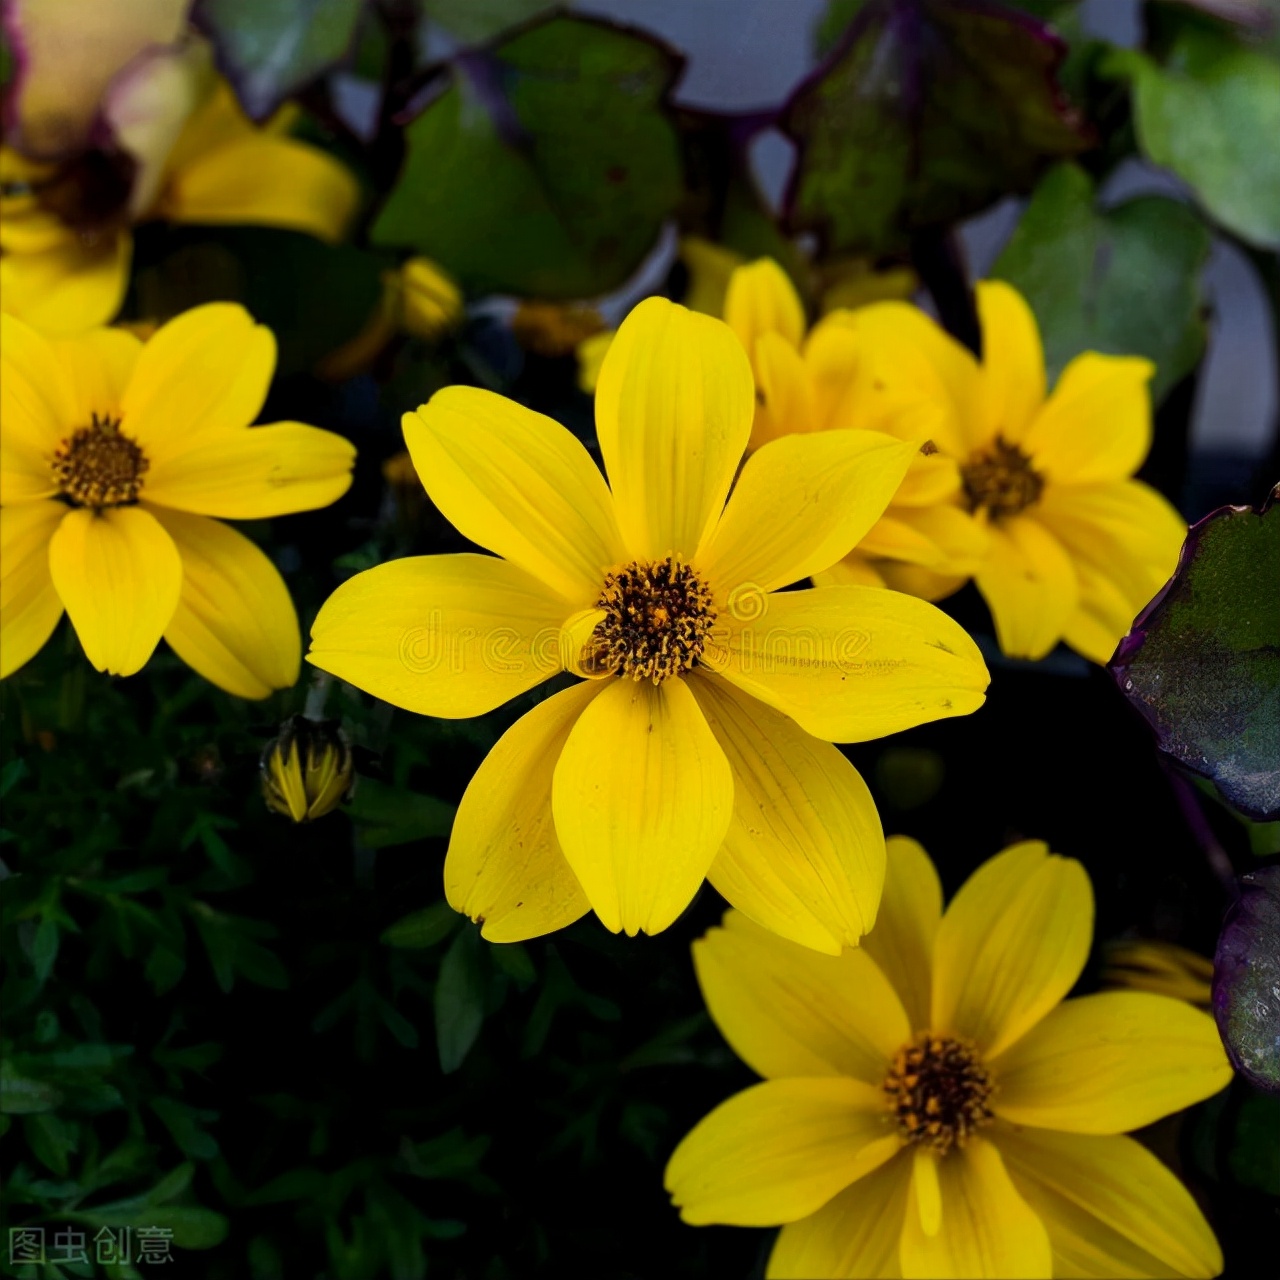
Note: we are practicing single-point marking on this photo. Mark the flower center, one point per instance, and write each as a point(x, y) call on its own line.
point(1002, 480)
point(658, 616)
point(96, 466)
point(938, 1089)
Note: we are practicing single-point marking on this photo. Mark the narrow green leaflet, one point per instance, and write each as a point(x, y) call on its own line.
point(1124, 280)
point(1211, 113)
point(580, 163)
point(460, 999)
point(386, 815)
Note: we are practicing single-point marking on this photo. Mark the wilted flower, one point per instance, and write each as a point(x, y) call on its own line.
point(307, 771)
point(554, 329)
point(933, 1107)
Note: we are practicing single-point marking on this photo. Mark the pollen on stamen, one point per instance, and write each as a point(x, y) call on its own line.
point(1001, 480)
point(98, 466)
point(658, 616)
point(938, 1089)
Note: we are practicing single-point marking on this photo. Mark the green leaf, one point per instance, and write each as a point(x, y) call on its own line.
point(513, 960)
point(1254, 1158)
point(474, 21)
point(52, 1140)
point(459, 999)
point(1202, 663)
point(20, 1096)
point(1124, 281)
point(270, 49)
point(192, 1226)
point(1246, 979)
point(1211, 113)
point(927, 112)
point(44, 947)
point(184, 1125)
point(11, 775)
point(385, 815)
point(580, 163)
point(422, 928)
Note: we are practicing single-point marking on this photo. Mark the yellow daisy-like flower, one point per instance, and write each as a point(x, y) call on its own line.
point(1076, 546)
point(699, 742)
point(933, 1108)
point(113, 456)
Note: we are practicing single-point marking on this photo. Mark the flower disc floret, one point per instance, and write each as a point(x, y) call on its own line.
point(938, 1088)
point(1001, 480)
point(99, 466)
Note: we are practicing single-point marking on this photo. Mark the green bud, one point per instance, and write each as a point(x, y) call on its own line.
point(307, 770)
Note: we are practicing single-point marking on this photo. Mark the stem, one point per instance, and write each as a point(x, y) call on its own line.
point(1215, 854)
point(317, 695)
point(935, 254)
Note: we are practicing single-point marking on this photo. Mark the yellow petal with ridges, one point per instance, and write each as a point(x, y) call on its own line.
point(988, 1230)
point(1102, 617)
point(37, 410)
point(926, 1190)
point(451, 636)
point(961, 543)
point(29, 605)
point(119, 576)
point(779, 1151)
point(784, 397)
point(1110, 1207)
point(674, 407)
point(1110, 1063)
point(504, 867)
point(932, 478)
point(272, 470)
point(800, 504)
point(1029, 584)
point(915, 580)
point(910, 911)
point(519, 484)
point(787, 1010)
point(1011, 945)
point(235, 622)
point(1011, 385)
point(851, 663)
point(98, 364)
point(761, 299)
point(804, 853)
point(642, 798)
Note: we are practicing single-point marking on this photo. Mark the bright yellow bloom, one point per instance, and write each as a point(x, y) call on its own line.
point(113, 456)
point(200, 161)
point(933, 1108)
point(699, 743)
point(1076, 547)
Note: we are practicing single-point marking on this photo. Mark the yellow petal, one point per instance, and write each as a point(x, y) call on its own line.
point(1111, 1208)
point(68, 288)
point(761, 299)
point(854, 1236)
point(710, 266)
point(504, 867)
point(673, 413)
point(801, 503)
point(784, 396)
point(98, 364)
point(914, 580)
point(520, 485)
point(29, 606)
point(1029, 585)
point(1097, 424)
point(119, 576)
point(787, 1010)
point(902, 941)
point(959, 543)
point(1011, 386)
point(1011, 945)
point(266, 181)
point(893, 538)
point(272, 470)
point(203, 373)
point(590, 354)
point(451, 636)
point(804, 853)
point(235, 622)
point(855, 570)
point(931, 478)
point(1103, 615)
point(779, 1151)
point(926, 1190)
point(642, 797)
point(852, 663)
point(988, 1229)
point(37, 409)
point(1110, 1063)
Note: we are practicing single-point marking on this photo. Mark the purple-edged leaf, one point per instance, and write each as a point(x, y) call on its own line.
point(926, 112)
point(1246, 980)
point(269, 49)
point(1202, 663)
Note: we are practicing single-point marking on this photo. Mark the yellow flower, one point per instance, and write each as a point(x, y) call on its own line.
point(307, 771)
point(554, 329)
point(1076, 547)
point(932, 1107)
point(700, 742)
point(113, 456)
point(199, 160)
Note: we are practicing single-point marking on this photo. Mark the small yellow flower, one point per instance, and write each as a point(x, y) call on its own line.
point(1076, 546)
point(114, 455)
point(932, 1107)
point(699, 742)
point(307, 771)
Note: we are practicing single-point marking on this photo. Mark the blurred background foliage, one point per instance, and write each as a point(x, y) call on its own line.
point(277, 1040)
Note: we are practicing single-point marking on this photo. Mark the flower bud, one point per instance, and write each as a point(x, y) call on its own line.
point(307, 770)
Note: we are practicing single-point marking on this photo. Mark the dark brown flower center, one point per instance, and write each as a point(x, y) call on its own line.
point(1002, 480)
point(938, 1089)
point(98, 466)
point(658, 615)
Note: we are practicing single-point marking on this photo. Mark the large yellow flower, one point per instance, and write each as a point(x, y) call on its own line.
point(199, 160)
point(113, 456)
point(700, 743)
point(933, 1108)
point(1077, 547)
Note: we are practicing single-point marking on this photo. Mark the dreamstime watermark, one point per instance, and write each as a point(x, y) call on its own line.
point(744, 637)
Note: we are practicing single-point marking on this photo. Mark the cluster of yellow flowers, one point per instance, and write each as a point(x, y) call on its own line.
point(750, 585)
